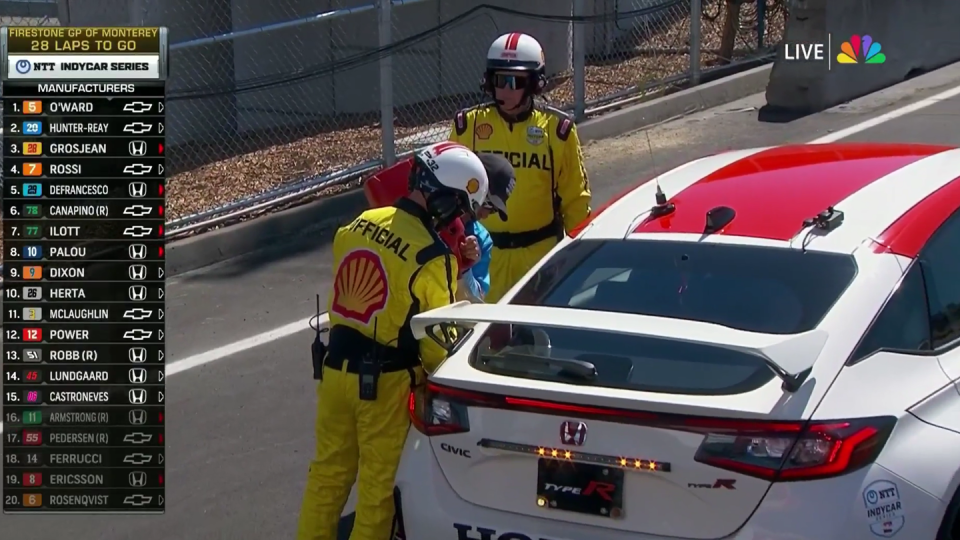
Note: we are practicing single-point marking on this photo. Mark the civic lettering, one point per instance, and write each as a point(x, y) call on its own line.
point(455, 451)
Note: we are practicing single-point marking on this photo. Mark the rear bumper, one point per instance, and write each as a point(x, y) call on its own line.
point(832, 509)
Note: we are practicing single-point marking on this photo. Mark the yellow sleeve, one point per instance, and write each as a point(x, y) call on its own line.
point(435, 287)
point(573, 186)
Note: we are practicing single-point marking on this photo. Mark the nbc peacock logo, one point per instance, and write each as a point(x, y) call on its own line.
point(860, 50)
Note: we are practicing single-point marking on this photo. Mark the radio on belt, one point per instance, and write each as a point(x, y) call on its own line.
point(84, 271)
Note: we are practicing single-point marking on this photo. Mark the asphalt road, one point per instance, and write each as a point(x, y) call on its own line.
point(240, 428)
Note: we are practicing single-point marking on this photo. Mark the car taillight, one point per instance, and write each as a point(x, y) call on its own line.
point(437, 410)
point(784, 452)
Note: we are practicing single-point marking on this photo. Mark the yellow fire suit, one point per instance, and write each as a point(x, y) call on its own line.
point(389, 267)
point(552, 194)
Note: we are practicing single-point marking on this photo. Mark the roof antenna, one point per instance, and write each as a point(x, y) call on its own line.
point(663, 207)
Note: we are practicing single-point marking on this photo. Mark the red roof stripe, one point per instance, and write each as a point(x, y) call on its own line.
point(910, 232)
point(774, 191)
point(512, 41)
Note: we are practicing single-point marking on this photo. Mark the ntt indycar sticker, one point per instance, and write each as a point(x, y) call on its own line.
point(884, 509)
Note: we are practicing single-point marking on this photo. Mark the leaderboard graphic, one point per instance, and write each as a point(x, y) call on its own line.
point(83, 269)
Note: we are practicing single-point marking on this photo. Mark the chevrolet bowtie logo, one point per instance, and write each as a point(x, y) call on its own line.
point(137, 210)
point(138, 169)
point(138, 459)
point(138, 107)
point(137, 128)
point(137, 334)
point(137, 437)
point(137, 500)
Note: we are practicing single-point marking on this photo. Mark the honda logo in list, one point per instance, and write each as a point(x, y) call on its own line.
point(137, 190)
point(137, 272)
point(137, 355)
point(137, 417)
point(573, 433)
point(137, 293)
point(137, 251)
point(138, 396)
point(137, 376)
point(138, 479)
point(137, 148)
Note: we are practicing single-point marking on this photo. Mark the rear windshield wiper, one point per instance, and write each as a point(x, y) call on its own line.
point(511, 361)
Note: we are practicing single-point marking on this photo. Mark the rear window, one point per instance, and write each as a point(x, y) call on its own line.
point(757, 289)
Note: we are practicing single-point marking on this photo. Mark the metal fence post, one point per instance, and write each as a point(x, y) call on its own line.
point(695, 39)
point(387, 142)
point(579, 63)
point(761, 22)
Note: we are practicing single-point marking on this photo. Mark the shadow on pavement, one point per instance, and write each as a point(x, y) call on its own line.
point(293, 247)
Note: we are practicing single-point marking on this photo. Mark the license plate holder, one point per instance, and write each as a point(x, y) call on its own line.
point(596, 490)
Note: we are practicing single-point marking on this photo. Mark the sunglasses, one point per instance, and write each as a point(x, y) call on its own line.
point(513, 82)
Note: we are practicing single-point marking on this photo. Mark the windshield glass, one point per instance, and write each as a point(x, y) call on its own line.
point(757, 289)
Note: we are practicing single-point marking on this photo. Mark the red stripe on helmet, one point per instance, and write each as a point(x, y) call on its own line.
point(444, 146)
point(512, 41)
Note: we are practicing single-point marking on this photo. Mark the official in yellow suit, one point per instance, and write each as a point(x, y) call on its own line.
point(390, 265)
point(552, 194)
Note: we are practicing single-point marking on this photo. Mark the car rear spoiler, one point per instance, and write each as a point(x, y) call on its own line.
point(791, 357)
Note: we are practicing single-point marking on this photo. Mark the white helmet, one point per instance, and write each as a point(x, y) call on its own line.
point(517, 52)
point(452, 178)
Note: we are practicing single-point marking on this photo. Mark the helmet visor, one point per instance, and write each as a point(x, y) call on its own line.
point(511, 81)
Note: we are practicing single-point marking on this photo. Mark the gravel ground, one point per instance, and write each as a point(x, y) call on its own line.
point(225, 181)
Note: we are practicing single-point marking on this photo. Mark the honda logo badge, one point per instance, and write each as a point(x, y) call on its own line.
point(573, 433)
point(138, 396)
point(138, 189)
point(137, 417)
point(138, 148)
point(137, 293)
point(137, 272)
point(138, 479)
point(137, 251)
point(137, 355)
point(138, 376)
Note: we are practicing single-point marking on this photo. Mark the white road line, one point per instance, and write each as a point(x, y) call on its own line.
point(231, 349)
point(884, 118)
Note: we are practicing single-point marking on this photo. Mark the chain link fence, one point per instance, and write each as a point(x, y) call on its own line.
point(270, 101)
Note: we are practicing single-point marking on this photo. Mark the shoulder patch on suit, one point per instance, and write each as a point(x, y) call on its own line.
point(460, 122)
point(431, 252)
point(564, 126)
point(564, 121)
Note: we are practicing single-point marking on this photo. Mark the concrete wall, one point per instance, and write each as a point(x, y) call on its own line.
point(433, 77)
point(914, 35)
point(211, 119)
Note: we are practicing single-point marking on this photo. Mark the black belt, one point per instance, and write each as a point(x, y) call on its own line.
point(508, 240)
point(349, 345)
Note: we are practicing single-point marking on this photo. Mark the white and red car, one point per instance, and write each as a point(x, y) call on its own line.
point(766, 352)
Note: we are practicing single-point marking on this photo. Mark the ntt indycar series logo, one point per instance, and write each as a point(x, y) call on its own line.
point(102, 66)
point(857, 49)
